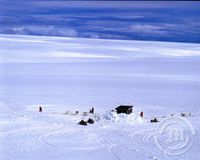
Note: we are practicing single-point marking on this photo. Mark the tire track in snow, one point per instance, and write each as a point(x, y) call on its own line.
point(130, 141)
point(41, 137)
point(141, 139)
point(154, 149)
point(137, 140)
point(11, 104)
point(15, 107)
point(128, 145)
point(111, 147)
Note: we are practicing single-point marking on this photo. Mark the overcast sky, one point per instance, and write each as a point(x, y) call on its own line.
point(157, 21)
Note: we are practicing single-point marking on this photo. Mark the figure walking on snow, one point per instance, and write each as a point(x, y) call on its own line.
point(92, 110)
point(141, 114)
point(40, 109)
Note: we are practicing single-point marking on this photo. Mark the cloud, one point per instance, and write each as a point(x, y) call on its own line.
point(66, 32)
point(148, 28)
point(49, 4)
point(41, 30)
point(161, 21)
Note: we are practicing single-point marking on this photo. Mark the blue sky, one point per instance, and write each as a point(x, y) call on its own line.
point(131, 20)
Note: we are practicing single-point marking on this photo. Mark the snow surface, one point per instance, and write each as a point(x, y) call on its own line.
point(64, 75)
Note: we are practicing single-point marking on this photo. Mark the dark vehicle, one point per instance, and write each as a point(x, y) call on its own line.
point(91, 121)
point(154, 120)
point(82, 122)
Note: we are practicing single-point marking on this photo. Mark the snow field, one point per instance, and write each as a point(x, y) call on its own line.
point(50, 134)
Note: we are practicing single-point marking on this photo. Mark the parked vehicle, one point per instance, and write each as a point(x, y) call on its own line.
point(91, 121)
point(82, 122)
point(154, 120)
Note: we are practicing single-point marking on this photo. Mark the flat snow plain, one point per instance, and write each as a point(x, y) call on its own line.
point(69, 74)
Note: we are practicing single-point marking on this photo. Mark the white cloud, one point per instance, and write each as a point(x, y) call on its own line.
point(42, 30)
point(53, 31)
point(110, 4)
point(147, 28)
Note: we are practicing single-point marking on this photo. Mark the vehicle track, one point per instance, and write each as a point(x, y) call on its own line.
point(111, 147)
point(130, 144)
point(137, 140)
point(135, 143)
point(14, 106)
point(58, 130)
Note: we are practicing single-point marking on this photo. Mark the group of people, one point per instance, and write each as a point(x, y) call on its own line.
point(91, 110)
